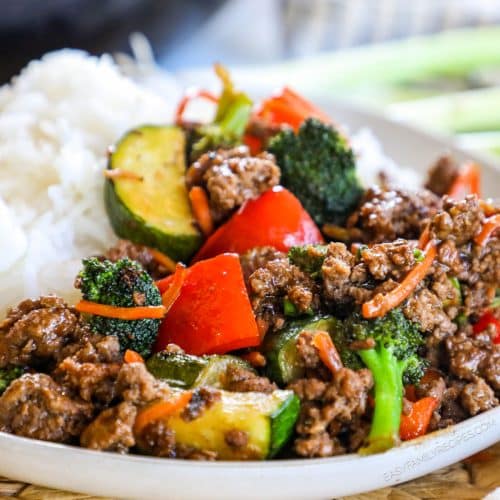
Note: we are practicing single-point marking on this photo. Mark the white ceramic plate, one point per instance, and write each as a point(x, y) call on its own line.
point(97, 473)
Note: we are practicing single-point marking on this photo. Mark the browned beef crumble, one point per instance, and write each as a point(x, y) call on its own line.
point(258, 257)
point(231, 177)
point(35, 406)
point(470, 357)
point(112, 430)
point(139, 253)
point(34, 333)
point(239, 379)
point(442, 175)
point(477, 396)
point(276, 281)
point(157, 439)
point(236, 438)
point(388, 214)
point(330, 406)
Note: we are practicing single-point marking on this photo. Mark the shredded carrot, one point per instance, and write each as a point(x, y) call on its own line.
point(190, 96)
point(162, 259)
point(327, 351)
point(201, 209)
point(126, 313)
point(131, 356)
point(255, 358)
point(467, 181)
point(119, 173)
point(382, 304)
point(174, 290)
point(424, 237)
point(491, 224)
point(160, 410)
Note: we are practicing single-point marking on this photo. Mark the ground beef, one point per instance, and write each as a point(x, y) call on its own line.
point(233, 176)
point(343, 280)
point(470, 357)
point(276, 281)
point(139, 253)
point(202, 399)
point(258, 257)
point(111, 430)
point(157, 439)
point(308, 355)
point(478, 396)
point(328, 410)
point(34, 332)
point(441, 175)
point(240, 379)
point(426, 309)
point(432, 386)
point(460, 220)
point(392, 259)
point(136, 385)
point(35, 406)
point(236, 438)
point(388, 214)
point(92, 370)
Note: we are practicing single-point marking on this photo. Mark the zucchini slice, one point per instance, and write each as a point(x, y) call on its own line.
point(267, 419)
point(152, 208)
point(187, 371)
point(280, 348)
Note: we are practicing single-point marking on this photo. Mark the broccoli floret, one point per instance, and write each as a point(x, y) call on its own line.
point(393, 361)
point(309, 258)
point(318, 166)
point(7, 375)
point(123, 283)
point(233, 112)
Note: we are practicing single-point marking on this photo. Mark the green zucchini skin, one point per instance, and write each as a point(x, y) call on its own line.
point(280, 348)
point(180, 246)
point(283, 424)
point(188, 371)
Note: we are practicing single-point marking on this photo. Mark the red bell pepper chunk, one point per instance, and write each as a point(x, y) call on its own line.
point(212, 314)
point(416, 423)
point(488, 318)
point(276, 219)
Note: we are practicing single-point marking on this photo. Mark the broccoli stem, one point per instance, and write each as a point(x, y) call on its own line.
point(387, 374)
point(236, 116)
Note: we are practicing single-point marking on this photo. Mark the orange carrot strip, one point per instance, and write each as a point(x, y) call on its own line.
point(127, 313)
point(131, 356)
point(491, 224)
point(382, 304)
point(119, 173)
point(190, 96)
point(174, 290)
point(160, 410)
point(327, 351)
point(162, 259)
point(417, 422)
point(255, 358)
point(424, 237)
point(201, 209)
point(467, 181)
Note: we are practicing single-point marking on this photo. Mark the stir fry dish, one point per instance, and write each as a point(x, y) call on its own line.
point(260, 301)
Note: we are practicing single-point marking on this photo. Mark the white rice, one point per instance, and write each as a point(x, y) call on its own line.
point(57, 120)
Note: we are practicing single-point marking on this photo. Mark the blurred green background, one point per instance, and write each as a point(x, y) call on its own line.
point(433, 63)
